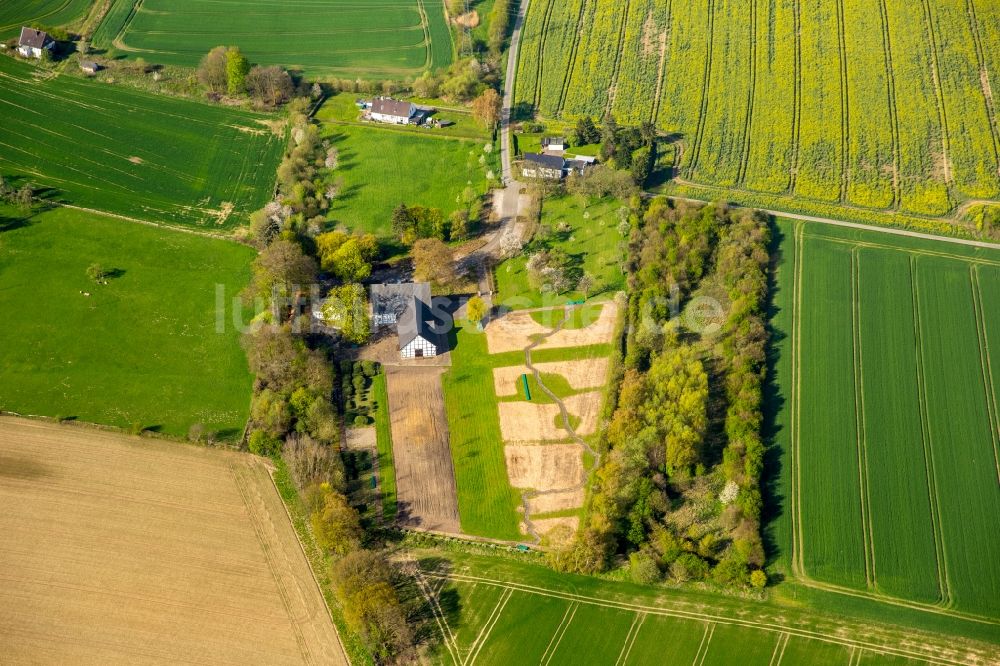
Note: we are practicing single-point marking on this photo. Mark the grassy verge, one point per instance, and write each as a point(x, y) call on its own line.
point(383, 433)
point(487, 503)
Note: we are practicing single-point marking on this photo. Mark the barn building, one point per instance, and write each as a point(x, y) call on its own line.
point(32, 42)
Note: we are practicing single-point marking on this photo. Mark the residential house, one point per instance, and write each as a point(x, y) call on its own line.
point(421, 330)
point(394, 111)
point(32, 42)
point(550, 167)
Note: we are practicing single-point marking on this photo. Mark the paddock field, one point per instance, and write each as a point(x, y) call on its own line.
point(125, 550)
point(17, 13)
point(371, 38)
point(152, 157)
point(888, 350)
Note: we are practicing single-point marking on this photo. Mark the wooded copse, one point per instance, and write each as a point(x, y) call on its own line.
point(678, 491)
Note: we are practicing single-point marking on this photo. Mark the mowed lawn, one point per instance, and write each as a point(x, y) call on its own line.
point(142, 350)
point(122, 151)
point(592, 241)
point(382, 168)
point(17, 13)
point(376, 38)
point(886, 414)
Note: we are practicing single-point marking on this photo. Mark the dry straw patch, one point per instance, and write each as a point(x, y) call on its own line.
point(551, 502)
point(544, 467)
point(557, 531)
point(580, 374)
point(516, 330)
point(529, 422)
point(586, 407)
point(600, 331)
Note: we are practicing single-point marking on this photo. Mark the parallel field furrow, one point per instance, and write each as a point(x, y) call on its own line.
point(706, 80)
point(684, 71)
point(770, 137)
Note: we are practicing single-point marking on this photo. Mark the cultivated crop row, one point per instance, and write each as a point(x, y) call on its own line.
point(769, 158)
point(719, 154)
point(644, 50)
point(596, 55)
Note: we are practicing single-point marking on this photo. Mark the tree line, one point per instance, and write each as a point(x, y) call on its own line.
point(678, 493)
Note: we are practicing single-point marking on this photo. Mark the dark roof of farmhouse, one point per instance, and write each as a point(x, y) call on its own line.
point(417, 320)
point(547, 161)
point(391, 107)
point(36, 39)
point(394, 298)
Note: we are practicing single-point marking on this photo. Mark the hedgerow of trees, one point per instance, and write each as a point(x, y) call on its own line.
point(676, 496)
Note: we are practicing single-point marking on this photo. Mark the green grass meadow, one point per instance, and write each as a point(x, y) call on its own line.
point(884, 415)
point(121, 151)
point(383, 440)
point(382, 168)
point(375, 39)
point(591, 240)
point(141, 350)
point(50, 13)
point(570, 619)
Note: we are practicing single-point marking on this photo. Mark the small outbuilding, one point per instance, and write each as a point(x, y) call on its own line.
point(89, 66)
point(33, 42)
point(553, 144)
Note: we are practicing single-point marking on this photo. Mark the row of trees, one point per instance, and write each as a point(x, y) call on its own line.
point(664, 496)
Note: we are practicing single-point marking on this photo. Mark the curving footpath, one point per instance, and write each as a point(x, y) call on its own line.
point(564, 414)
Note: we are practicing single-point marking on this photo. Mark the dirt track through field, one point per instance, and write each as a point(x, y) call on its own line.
point(425, 478)
point(118, 549)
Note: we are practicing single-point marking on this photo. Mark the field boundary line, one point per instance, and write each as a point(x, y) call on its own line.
point(481, 637)
point(633, 633)
point(986, 364)
point(439, 617)
point(488, 629)
point(939, 91)
point(985, 86)
point(890, 77)
point(256, 522)
point(425, 28)
point(664, 48)
point(796, 98)
point(779, 650)
point(855, 657)
point(798, 542)
point(751, 97)
point(706, 639)
point(944, 587)
point(571, 63)
point(560, 632)
point(706, 81)
point(845, 118)
point(617, 67)
point(978, 261)
point(711, 618)
point(859, 424)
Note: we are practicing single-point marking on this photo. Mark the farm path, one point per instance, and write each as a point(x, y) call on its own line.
point(850, 225)
point(567, 425)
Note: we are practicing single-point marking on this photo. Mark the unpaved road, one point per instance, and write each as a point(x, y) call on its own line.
point(120, 549)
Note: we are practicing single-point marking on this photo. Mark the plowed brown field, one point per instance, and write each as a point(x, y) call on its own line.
point(120, 549)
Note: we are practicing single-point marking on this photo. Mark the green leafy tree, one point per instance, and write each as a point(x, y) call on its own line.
point(346, 309)
point(237, 68)
point(336, 524)
point(476, 309)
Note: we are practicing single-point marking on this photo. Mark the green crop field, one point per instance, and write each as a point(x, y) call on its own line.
point(125, 152)
point(887, 416)
point(382, 168)
point(588, 233)
point(565, 619)
point(880, 105)
point(375, 38)
point(50, 13)
point(144, 349)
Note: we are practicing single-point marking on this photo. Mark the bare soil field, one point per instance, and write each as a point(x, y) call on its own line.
point(570, 499)
point(514, 331)
point(425, 479)
point(544, 466)
point(121, 549)
point(531, 422)
point(580, 374)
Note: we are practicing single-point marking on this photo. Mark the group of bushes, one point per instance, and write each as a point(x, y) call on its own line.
point(678, 490)
point(225, 70)
point(355, 394)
